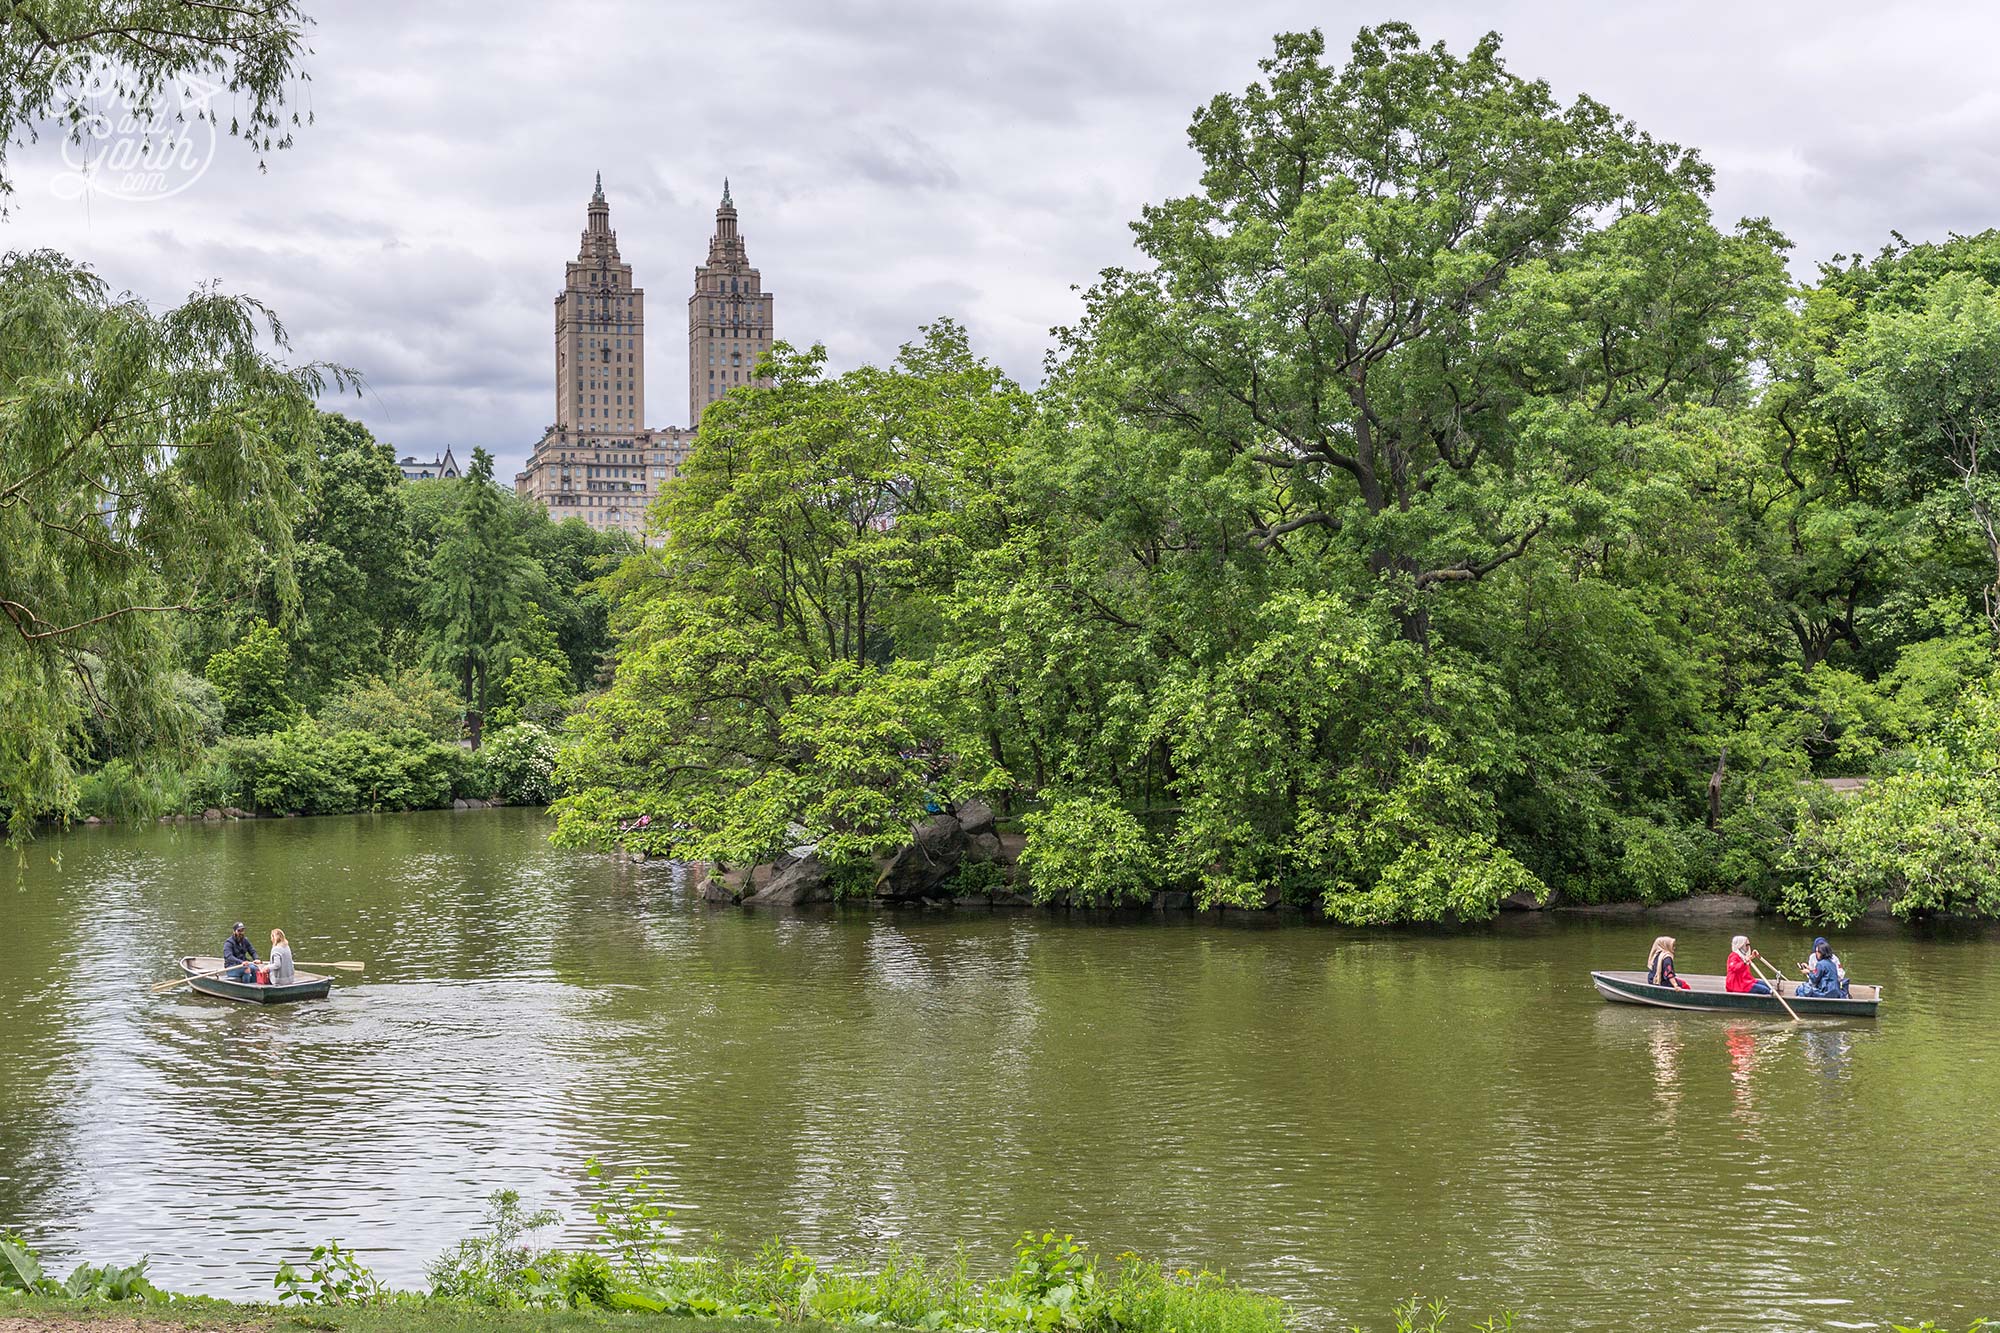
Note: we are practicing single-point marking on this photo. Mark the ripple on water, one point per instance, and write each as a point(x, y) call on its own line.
point(1338, 1117)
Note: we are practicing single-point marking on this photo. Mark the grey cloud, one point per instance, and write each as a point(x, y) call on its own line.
point(898, 160)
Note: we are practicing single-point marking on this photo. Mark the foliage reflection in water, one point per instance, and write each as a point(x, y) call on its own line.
point(1335, 1117)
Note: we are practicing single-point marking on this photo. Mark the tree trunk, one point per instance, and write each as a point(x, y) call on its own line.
point(1715, 789)
point(475, 717)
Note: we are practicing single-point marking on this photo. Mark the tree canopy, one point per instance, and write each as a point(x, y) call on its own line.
point(148, 473)
point(1444, 507)
point(62, 58)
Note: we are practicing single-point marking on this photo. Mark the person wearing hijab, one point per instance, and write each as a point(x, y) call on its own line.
point(1660, 965)
point(1737, 976)
point(1823, 980)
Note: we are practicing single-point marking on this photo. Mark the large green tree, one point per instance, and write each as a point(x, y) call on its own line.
point(147, 472)
point(778, 682)
point(352, 562)
point(572, 556)
point(1348, 482)
point(478, 589)
point(1420, 298)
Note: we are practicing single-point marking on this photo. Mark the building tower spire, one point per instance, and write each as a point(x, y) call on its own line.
point(729, 316)
point(599, 219)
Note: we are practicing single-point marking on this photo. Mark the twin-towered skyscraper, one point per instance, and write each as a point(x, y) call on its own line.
point(729, 316)
point(600, 461)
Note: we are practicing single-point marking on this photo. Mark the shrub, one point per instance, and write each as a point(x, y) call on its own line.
point(21, 1270)
point(1416, 1315)
point(250, 679)
point(536, 690)
point(496, 1267)
point(121, 791)
point(1921, 838)
point(333, 1276)
point(520, 764)
point(411, 699)
point(20, 1267)
point(1089, 850)
point(309, 771)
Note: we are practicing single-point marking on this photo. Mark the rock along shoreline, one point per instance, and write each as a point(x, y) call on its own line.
point(926, 873)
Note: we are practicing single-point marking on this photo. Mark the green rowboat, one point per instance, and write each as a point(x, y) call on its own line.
point(304, 985)
point(1707, 995)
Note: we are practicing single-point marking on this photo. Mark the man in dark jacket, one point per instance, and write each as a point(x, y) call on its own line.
point(239, 956)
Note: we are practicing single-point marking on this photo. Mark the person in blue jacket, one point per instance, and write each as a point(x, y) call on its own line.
point(1823, 980)
point(239, 955)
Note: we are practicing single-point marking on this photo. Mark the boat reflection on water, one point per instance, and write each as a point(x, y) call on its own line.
point(1751, 1045)
point(1665, 1042)
point(1829, 1051)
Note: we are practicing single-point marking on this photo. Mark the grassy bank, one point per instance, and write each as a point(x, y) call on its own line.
point(45, 1314)
point(639, 1267)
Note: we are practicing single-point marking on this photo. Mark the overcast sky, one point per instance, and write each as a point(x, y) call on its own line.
point(897, 160)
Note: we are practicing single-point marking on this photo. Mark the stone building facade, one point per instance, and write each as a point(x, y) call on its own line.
point(442, 468)
point(729, 317)
point(599, 461)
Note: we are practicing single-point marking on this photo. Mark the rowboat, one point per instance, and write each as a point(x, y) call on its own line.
point(304, 986)
point(1707, 993)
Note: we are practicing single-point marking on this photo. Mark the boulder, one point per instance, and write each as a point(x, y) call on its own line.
point(982, 846)
point(1520, 901)
point(1708, 907)
point(93, 820)
point(724, 886)
point(975, 816)
point(795, 883)
point(211, 813)
point(920, 870)
point(1700, 907)
point(458, 803)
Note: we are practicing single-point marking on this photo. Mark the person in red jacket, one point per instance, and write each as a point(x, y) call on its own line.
point(1737, 976)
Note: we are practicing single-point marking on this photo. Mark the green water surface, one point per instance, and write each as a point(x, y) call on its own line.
point(1338, 1117)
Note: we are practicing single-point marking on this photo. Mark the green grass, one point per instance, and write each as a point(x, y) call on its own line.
point(399, 1317)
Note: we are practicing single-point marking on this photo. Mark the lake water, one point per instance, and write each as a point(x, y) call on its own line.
point(1339, 1117)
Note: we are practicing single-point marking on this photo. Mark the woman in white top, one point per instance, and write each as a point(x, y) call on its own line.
point(281, 958)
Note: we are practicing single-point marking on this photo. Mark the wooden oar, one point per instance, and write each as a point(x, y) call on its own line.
point(1773, 979)
point(349, 966)
point(192, 976)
